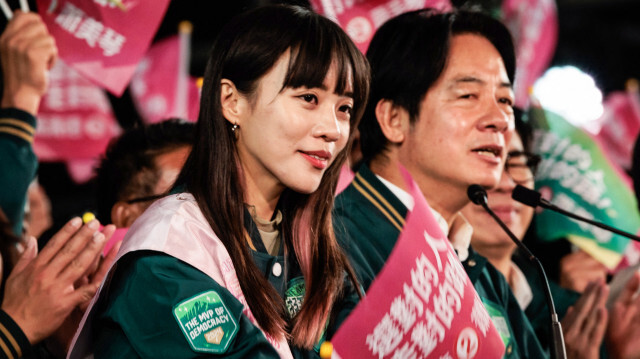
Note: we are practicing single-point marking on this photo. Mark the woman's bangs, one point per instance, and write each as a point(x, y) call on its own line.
point(312, 58)
point(315, 50)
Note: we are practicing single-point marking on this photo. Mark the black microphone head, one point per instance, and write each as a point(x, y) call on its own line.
point(477, 194)
point(526, 196)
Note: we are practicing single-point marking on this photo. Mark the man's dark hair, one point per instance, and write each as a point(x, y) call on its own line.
point(409, 53)
point(127, 168)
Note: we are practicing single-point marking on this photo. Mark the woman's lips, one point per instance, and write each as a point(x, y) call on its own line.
point(318, 159)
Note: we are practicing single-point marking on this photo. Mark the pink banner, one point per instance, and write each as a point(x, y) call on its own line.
point(154, 85)
point(100, 39)
point(360, 19)
point(620, 126)
point(534, 27)
point(75, 120)
point(422, 304)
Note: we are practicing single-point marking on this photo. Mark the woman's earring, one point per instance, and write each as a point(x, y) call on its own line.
point(234, 127)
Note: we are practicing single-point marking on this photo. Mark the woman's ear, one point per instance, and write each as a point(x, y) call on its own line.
point(230, 100)
point(393, 120)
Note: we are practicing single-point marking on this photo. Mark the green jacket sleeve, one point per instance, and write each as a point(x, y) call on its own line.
point(18, 163)
point(13, 342)
point(137, 316)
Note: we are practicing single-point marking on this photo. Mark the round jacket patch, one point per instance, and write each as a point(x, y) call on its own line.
point(206, 322)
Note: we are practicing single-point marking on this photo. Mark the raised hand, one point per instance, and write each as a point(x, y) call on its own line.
point(27, 52)
point(585, 323)
point(579, 269)
point(623, 333)
point(40, 292)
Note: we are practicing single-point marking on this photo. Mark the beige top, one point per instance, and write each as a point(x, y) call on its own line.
point(269, 230)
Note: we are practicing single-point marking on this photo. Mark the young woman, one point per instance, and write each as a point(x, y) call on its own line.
point(243, 262)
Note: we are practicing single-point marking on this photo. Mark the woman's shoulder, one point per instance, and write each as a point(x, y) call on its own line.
point(169, 219)
point(179, 205)
point(175, 226)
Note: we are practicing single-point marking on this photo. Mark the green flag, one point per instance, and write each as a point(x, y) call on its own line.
point(575, 175)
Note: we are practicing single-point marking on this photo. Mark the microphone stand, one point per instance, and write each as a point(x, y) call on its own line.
point(478, 195)
point(547, 205)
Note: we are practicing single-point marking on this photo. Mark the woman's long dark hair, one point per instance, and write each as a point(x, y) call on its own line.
point(247, 48)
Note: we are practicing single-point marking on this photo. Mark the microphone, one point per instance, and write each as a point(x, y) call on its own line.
point(533, 199)
point(478, 195)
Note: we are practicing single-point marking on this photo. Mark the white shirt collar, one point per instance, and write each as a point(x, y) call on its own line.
point(461, 231)
point(405, 197)
point(520, 287)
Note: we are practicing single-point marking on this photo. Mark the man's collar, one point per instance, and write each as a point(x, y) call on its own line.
point(459, 234)
point(405, 197)
point(520, 286)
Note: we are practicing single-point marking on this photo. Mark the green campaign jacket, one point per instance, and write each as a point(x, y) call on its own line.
point(154, 305)
point(368, 219)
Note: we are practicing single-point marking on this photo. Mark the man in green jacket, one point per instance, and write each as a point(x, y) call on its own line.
point(441, 107)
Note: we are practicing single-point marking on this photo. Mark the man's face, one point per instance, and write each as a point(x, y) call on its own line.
point(465, 121)
point(487, 234)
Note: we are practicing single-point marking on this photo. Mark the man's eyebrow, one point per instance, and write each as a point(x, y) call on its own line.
point(468, 79)
point(472, 79)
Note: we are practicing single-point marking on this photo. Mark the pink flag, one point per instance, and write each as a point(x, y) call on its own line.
point(534, 27)
point(620, 126)
point(75, 120)
point(153, 86)
point(360, 19)
point(103, 39)
point(422, 304)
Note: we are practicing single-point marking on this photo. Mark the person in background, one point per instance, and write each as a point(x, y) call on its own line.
point(40, 291)
point(249, 242)
point(584, 324)
point(139, 167)
point(585, 319)
point(37, 216)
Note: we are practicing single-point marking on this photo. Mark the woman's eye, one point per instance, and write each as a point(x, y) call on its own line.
point(346, 109)
point(309, 98)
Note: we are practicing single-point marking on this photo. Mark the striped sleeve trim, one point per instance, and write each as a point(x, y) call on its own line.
point(6, 350)
point(13, 342)
point(17, 128)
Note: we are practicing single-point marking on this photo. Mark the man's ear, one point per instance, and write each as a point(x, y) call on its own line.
point(393, 120)
point(231, 101)
point(124, 214)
